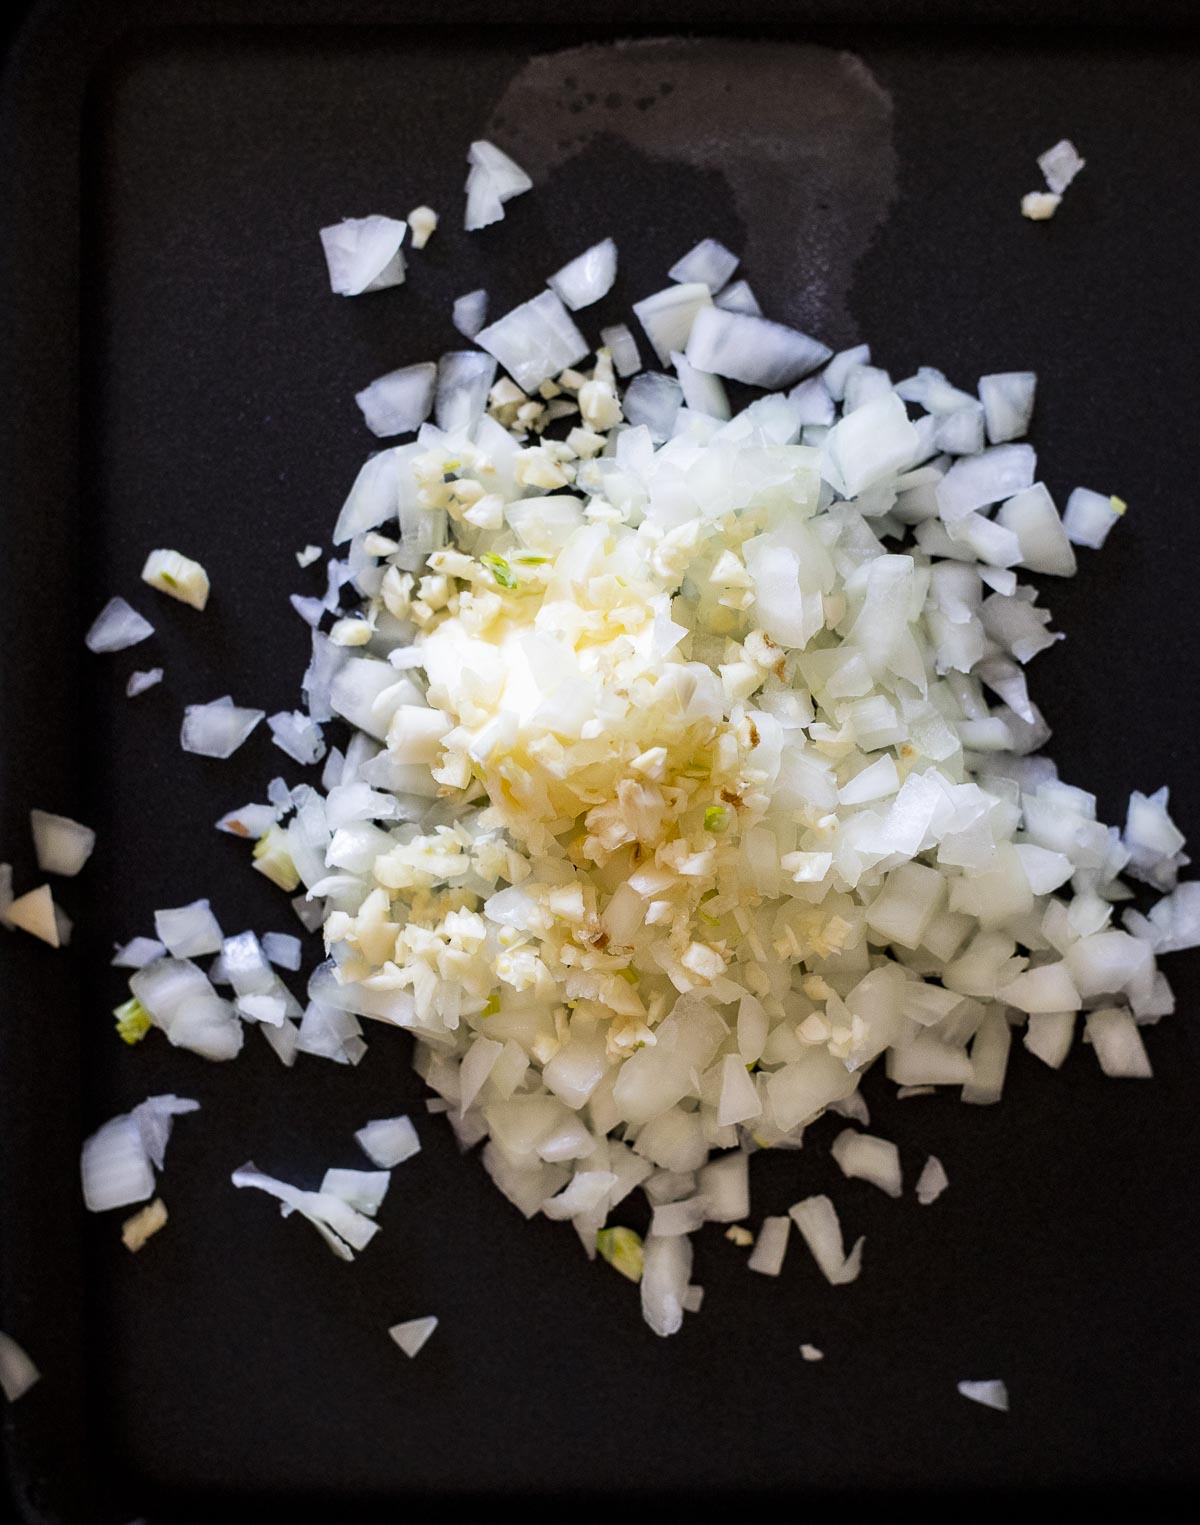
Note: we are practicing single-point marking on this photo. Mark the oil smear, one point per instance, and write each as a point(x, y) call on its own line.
point(791, 141)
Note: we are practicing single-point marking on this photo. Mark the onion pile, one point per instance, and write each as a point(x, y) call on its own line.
point(693, 772)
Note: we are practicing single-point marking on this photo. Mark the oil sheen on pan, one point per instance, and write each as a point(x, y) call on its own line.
point(807, 179)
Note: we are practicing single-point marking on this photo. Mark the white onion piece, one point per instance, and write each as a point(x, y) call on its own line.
point(666, 1271)
point(835, 373)
point(492, 180)
point(770, 1247)
point(282, 949)
point(534, 341)
point(1039, 206)
point(249, 821)
point(139, 682)
point(389, 1141)
point(1008, 398)
point(725, 1184)
point(464, 378)
point(709, 263)
point(993, 1395)
point(812, 401)
point(668, 315)
point(817, 1220)
point(983, 479)
point(115, 1167)
point(62, 845)
point(811, 1353)
point(399, 402)
point(363, 254)
point(652, 401)
point(738, 297)
point(1033, 518)
point(364, 1190)
point(1118, 1044)
point(702, 393)
point(17, 1371)
point(1089, 516)
point(750, 349)
point(470, 312)
point(1049, 1035)
point(298, 735)
point(412, 1335)
point(189, 930)
point(116, 627)
point(932, 1181)
point(586, 278)
point(137, 953)
point(1060, 165)
point(154, 1119)
point(863, 1157)
point(217, 729)
point(870, 444)
point(623, 347)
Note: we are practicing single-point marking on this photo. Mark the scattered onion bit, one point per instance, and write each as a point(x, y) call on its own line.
point(138, 1228)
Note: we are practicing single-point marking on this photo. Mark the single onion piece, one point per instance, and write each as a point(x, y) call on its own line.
point(1118, 1044)
point(750, 349)
point(534, 341)
point(139, 682)
point(464, 378)
point(364, 1190)
point(116, 627)
point(399, 402)
point(62, 845)
point(470, 312)
point(1089, 516)
point(668, 316)
point(738, 297)
point(190, 930)
point(363, 254)
point(770, 1247)
point(177, 576)
point(217, 729)
point(35, 913)
point(623, 347)
point(652, 401)
point(709, 263)
point(412, 1335)
point(993, 1395)
point(702, 393)
point(137, 953)
point(1060, 165)
point(282, 949)
point(811, 1353)
point(866, 1158)
point(136, 1230)
point(1007, 398)
point(17, 1371)
point(492, 180)
point(932, 1181)
point(115, 1168)
point(588, 277)
point(389, 1141)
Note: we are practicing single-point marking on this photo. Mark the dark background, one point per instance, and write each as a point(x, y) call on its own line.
point(204, 400)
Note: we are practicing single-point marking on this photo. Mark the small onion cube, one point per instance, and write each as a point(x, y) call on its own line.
point(412, 1335)
point(863, 1157)
point(621, 344)
point(139, 682)
point(470, 312)
point(389, 1141)
point(399, 402)
point(1060, 165)
point(588, 277)
point(932, 1181)
point(217, 729)
point(993, 1395)
point(117, 627)
point(363, 254)
point(17, 1371)
point(1007, 398)
point(755, 350)
point(534, 341)
point(62, 845)
point(668, 316)
point(709, 263)
point(190, 930)
point(770, 1247)
point(1089, 516)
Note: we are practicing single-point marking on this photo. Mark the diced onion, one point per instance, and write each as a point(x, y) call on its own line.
point(116, 627)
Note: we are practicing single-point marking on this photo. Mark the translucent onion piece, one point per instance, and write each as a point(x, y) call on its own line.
point(399, 402)
point(217, 729)
point(470, 312)
point(588, 277)
point(751, 349)
point(709, 263)
point(62, 845)
point(412, 1335)
point(993, 1394)
point(139, 682)
point(363, 254)
point(389, 1141)
point(17, 1371)
point(116, 627)
point(534, 341)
